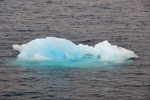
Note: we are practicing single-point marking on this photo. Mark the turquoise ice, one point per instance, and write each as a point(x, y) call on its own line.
point(60, 49)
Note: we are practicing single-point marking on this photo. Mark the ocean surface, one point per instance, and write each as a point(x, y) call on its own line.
point(125, 23)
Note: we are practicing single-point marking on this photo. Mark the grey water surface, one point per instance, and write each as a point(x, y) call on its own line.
point(125, 23)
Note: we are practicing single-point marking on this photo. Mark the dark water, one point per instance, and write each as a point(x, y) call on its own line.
point(125, 23)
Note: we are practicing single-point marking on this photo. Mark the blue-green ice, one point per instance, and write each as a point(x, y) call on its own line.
point(52, 50)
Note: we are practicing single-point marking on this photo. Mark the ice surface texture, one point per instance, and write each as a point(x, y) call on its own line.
point(52, 48)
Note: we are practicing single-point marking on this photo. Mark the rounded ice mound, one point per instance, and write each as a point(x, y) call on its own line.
point(52, 48)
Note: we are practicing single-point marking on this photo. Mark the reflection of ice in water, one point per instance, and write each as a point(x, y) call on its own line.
point(52, 48)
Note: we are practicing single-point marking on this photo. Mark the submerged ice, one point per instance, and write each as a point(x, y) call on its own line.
point(52, 48)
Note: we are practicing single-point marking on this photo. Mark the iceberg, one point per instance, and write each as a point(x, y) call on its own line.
point(53, 48)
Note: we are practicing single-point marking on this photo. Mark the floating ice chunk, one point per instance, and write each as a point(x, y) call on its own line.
point(52, 48)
